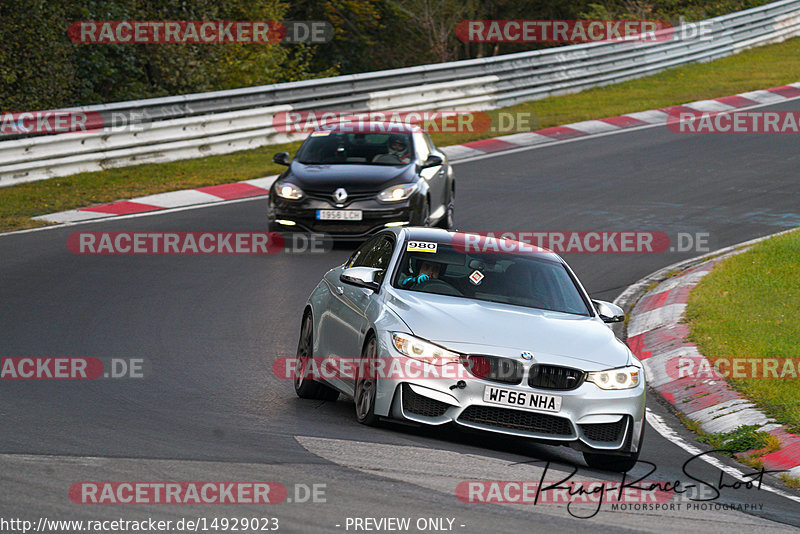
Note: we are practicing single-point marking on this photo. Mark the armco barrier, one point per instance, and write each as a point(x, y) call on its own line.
point(188, 126)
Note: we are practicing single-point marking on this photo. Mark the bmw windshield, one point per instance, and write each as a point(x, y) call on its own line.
point(517, 279)
point(329, 147)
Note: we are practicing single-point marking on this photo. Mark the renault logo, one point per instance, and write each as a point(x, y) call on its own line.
point(527, 355)
point(340, 195)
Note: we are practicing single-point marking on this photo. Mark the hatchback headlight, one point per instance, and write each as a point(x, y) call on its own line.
point(288, 191)
point(620, 378)
point(421, 350)
point(397, 193)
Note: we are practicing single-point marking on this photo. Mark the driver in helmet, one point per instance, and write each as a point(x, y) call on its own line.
point(427, 270)
point(398, 147)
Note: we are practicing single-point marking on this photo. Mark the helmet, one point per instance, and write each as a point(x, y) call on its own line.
point(397, 143)
point(417, 262)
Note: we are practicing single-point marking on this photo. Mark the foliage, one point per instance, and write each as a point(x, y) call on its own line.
point(40, 68)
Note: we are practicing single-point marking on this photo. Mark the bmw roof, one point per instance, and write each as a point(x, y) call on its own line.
point(483, 241)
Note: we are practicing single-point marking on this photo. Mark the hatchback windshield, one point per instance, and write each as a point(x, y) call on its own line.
point(327, 147)
point(518, 279)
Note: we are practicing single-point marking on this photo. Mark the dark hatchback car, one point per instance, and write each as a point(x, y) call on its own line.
point(349, 180)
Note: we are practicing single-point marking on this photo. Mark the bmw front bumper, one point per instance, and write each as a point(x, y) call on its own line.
point(589, 418)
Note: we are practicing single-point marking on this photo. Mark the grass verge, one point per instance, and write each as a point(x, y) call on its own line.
point(789, 480)
point(743, 439)
point(760, 68)
point(746, 308)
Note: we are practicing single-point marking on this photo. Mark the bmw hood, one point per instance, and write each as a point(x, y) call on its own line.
point(473, 326)
point(357, 178)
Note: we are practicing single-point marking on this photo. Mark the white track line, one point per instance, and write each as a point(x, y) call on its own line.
point(112, 218)
point(667, 432)
point(603, 134)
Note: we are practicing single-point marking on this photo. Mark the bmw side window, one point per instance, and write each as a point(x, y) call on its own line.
point(378, 257)
point(358, 257)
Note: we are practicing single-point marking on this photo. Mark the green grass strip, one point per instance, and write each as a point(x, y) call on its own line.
point(749, 307)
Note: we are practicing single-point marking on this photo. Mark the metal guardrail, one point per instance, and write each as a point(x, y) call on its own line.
point(198, 125)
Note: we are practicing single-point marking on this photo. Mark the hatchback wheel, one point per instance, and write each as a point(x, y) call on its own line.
point(448, 222)
point(425, 216)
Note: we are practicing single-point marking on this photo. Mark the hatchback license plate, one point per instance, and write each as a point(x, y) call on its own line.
point(339, 215)
point(525, 400)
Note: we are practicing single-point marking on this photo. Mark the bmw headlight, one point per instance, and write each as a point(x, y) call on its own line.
point(421, 350)
point(620, 378)
point(397, 193)
point(288, 191)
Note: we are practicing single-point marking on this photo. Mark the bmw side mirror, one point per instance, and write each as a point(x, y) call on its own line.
point(361, 277)
point(281, 158)
point(432, 161)
point(608, 312)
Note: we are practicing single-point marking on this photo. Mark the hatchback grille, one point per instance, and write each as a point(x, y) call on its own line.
point(554, 377)
point(517, 420)
point(341, 227)
point(605, 432)
point(328, 196)
point(494, 368)
point(422, 405)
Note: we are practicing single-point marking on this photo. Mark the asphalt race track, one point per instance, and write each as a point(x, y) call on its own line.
point(208, 327)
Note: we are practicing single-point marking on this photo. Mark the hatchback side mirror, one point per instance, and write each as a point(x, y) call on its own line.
point(432, 161)
point(281, 158)
point(608, 312)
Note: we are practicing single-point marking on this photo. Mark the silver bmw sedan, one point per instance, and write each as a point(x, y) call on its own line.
point(437, 327)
